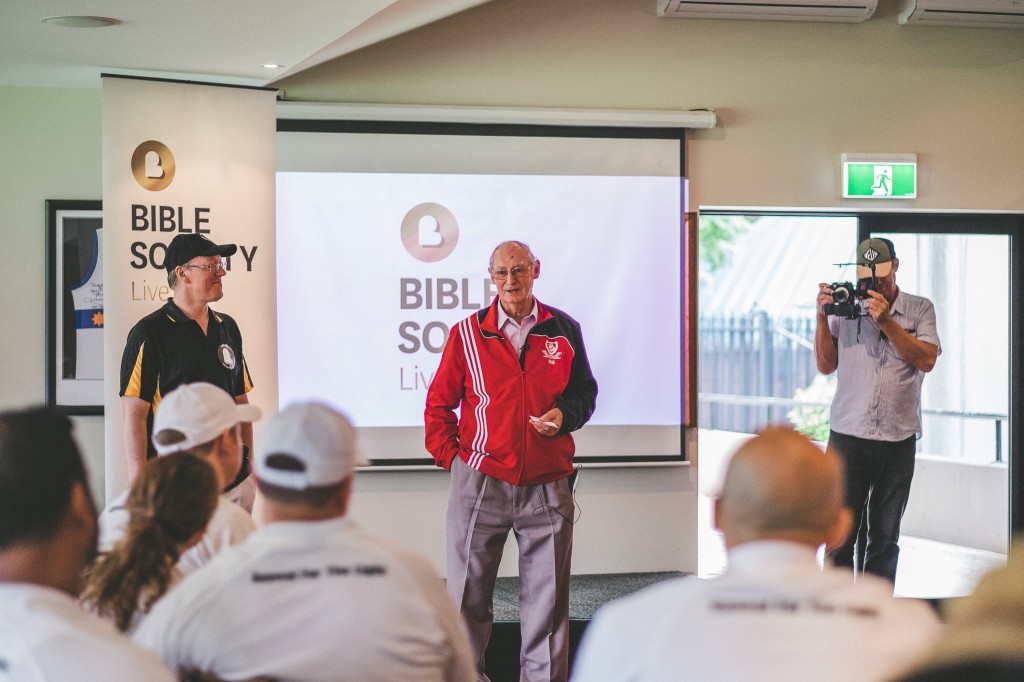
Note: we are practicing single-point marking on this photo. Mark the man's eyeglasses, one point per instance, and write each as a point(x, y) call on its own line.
point(517, 272)
point(213, 267)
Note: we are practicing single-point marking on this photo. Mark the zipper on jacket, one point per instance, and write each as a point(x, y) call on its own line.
point(522, 404)
point(522, 398)
point(526, 423)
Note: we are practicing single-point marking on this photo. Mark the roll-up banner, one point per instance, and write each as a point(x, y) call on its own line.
point(186, 158)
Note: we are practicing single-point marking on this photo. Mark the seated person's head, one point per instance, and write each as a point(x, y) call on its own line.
point(170, 503)
point(781, 486)
point(306, 456)
point(204, 420)
point(45, 504)
point(174, 496)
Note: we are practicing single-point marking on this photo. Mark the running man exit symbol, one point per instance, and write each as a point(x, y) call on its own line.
point(879, 176)
point(883, 182)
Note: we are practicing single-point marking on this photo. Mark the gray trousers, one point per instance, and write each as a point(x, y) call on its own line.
point(481, 512)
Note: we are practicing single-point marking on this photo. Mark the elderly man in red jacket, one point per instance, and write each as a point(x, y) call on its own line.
point(518, 373)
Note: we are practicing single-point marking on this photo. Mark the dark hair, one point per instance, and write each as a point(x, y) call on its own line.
point(171, 500)
point(314, 496)
point(39, 465)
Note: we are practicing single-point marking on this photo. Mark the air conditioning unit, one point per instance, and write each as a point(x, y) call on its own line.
point(981, 13)
point(779, 10)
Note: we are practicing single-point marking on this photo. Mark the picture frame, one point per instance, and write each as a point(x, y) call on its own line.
point(74, 306)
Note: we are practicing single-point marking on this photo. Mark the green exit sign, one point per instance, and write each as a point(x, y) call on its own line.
point(879, 176)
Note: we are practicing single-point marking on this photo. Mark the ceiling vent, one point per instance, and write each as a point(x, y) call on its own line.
point(980, 13)
point(780, 10)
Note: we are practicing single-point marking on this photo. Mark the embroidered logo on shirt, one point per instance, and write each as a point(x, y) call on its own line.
point(551, 352)
point(226, 355)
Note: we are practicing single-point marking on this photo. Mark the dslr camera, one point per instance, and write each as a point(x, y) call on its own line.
point(846, 298)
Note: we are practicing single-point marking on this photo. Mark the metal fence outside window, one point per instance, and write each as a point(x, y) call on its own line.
point(751, 366)
point(750, 355)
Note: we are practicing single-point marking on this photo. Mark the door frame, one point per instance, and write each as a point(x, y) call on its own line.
point(1012, 226)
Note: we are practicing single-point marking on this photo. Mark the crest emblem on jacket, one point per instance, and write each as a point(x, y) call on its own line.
point(551, 352)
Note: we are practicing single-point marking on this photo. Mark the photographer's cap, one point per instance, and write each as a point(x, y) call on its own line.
point(878, 252)
point(307, 445)
point(185, 247)
point(193, 414)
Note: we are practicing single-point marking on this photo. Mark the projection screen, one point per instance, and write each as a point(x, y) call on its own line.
point(384, 231)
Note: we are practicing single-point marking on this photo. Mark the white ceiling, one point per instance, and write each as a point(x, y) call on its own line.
point(225, 41)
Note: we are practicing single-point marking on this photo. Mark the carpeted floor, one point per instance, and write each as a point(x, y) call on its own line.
point(586, 592)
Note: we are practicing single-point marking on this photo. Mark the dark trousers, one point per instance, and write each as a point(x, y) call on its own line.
point(878, 476)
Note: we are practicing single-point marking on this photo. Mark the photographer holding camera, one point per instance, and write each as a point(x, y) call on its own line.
point(882, 341)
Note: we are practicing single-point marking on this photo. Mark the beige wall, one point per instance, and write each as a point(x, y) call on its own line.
point(791, 97)
point(49, 149)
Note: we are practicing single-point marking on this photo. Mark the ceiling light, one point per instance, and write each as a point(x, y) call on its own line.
point(80, 21)
point(272, 66)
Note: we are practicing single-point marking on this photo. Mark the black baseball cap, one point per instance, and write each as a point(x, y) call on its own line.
point(185, 247)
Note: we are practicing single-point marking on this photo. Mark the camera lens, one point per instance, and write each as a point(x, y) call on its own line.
point(841, 295)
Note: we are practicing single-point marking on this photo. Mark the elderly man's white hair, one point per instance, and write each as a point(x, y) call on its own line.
point(512, 242)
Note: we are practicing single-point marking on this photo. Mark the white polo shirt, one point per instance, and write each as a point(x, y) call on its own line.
point(229, 526)
point(312, 601)
point(774, 615)
point(243, 494)
point(45, 636)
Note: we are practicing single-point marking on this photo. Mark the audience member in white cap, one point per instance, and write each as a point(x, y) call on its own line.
point(202, 420)
point(774, 614)
point(309, 595)
point(47, 536)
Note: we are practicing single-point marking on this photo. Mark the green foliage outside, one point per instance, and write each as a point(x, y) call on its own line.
point(716, 236)
point(813, 421)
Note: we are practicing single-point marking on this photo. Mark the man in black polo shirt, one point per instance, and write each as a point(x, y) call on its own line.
point(183, 342)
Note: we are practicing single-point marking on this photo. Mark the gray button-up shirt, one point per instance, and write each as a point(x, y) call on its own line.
point(878, 395)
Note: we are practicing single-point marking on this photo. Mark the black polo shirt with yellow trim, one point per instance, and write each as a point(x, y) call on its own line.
point(167, 348)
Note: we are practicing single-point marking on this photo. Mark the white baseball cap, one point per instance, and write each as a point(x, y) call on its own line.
point(319, 442)
point(193, 414)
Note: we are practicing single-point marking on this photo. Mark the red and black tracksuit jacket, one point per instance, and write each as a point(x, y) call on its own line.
point(497, 392)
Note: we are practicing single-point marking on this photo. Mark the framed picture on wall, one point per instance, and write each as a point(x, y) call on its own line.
point(74, 306)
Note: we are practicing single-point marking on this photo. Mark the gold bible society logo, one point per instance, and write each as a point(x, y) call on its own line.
point(153, 165)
